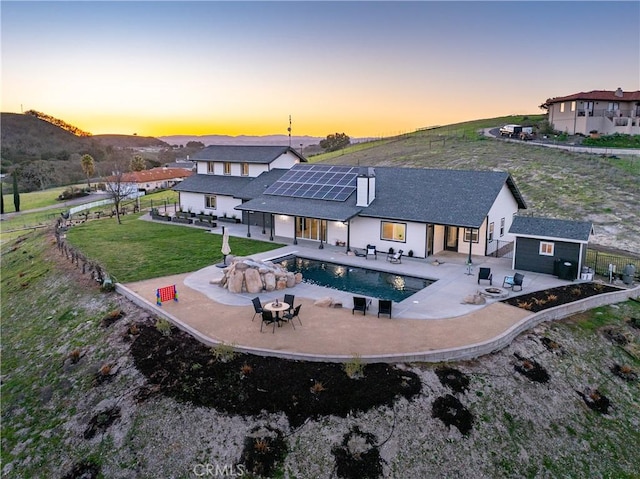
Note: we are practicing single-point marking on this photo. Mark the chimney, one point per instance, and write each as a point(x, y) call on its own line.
point(366, 186)
point(619, 93)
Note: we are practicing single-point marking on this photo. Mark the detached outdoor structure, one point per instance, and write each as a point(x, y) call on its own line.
point(551, 246)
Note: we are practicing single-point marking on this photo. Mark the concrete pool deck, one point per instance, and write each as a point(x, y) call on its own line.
point(426, 326)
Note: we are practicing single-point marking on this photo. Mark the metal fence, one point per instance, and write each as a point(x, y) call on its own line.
point(599, 261)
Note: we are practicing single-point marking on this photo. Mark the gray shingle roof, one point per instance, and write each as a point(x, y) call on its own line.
point(260, 183)
point(551, 228)
point(213, 184)
point(447, 197)
point(244, 153)
point(326, 210)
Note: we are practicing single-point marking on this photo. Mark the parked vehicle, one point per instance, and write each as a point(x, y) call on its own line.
point(517, 131)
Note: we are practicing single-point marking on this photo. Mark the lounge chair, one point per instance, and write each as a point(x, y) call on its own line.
point(268, 318)
point(257, 307)
point(290, 316)
point(485, 274)
point(384, 307)
point(513, 281)
point(359, 252)
point(371, 251)
point(360, 303)
point(395, 257)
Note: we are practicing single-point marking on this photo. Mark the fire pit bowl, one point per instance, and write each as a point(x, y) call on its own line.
point(494, 292)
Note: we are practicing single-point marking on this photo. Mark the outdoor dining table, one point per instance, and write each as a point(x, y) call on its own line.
point(277, 308)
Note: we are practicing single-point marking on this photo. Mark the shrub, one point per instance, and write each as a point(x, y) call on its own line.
point(354, 368)
point(223, 352)
point(164, 326)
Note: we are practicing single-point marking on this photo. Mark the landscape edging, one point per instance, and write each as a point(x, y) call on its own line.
point(461, 353)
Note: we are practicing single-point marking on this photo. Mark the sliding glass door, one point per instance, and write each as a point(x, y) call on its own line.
point(311, 228)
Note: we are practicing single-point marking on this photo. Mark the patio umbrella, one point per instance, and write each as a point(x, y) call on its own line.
point(226, 249)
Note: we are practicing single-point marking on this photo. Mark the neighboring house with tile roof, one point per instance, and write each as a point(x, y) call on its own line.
point(420, 210)
point(153, 179)
point(549, 245)
point(602, 111)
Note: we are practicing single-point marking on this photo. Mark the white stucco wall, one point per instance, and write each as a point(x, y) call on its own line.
point(505, 207)
point(366, 231)
point(285, 161)
point(196, 201)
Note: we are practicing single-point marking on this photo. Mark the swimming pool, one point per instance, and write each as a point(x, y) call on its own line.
point(366, 282)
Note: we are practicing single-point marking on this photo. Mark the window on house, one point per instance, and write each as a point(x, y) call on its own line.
point(490, 232)
point(613, 106)
point(573, 106)
point(471, 234)
point(562, 107)
point(210, 202)
point(546, 248)
point(227, 168)
point(210, 168)
point(393, 231)
point(245, 169)
point(501, 227)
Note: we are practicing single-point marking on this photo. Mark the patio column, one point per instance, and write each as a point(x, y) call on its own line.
point(263, 220)
point(470, 244)
point(348, 236)
point(271, 227)
point(295, 236)
point(249, 224)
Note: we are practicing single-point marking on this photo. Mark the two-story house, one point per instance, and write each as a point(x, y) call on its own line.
point(598, 111)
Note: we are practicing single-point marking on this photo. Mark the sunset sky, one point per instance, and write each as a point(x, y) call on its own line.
point(363, 68)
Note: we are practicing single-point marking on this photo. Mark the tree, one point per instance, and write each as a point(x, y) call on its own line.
point(16, 194)
point(138, 163)
point(335, 142)
point(116, 186)
point(88, 167)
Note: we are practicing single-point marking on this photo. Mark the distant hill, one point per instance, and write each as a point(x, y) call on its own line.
point(278, 140)
point(46, 152)
point(26, 137)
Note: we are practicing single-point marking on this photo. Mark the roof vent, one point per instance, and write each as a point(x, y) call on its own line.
point(618, 92)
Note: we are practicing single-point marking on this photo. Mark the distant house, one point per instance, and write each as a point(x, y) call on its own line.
point(153, 179)
point(601, 111)
point(551, 246)
point(419, 210)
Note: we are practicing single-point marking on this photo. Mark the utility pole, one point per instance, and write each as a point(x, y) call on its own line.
point(289, 130)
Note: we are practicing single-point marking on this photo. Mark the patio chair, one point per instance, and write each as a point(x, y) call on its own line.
point(290, 316)
point(360, 303)
point(257, 307)
point(371, 251)
point(268, 318)
point(289, 298)
point(395, 258)
point(384, 307)
point(513, 281)
point(485, 274)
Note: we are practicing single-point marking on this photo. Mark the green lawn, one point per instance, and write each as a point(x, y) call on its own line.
point(33, 199)
point(138, 250)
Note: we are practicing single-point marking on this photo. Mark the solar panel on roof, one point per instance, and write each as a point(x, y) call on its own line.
point(334, 183)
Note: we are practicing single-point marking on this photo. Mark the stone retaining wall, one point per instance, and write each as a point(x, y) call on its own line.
point(453, 354)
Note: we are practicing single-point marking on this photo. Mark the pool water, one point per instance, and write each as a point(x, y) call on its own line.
point(360, 281)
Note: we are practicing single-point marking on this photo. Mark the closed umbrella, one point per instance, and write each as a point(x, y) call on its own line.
point(226, 249)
